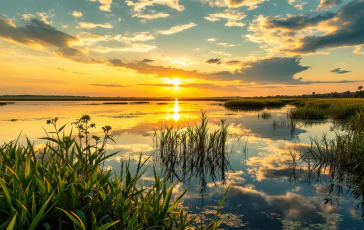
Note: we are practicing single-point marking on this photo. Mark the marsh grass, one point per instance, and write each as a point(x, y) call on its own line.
point(274, 104)
point(342, 160)
point(64, 185)
point(195, 151)
point(327, 108)
point(245, 103)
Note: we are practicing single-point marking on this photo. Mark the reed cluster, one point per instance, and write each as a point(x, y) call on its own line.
point(341, 159)
point(194, 151)
point(64, 185)
point(327, 108)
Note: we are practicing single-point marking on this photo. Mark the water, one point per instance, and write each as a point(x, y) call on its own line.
point(264, 194)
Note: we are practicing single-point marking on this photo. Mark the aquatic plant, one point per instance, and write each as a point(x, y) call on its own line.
point(308, 113)
point(194, 151)
point(245, 103)
point(64, 185)
point(341, 159)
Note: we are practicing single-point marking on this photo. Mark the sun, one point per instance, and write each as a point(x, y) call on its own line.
point(176, 82)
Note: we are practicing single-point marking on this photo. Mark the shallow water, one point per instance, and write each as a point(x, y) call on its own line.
point(263, 192)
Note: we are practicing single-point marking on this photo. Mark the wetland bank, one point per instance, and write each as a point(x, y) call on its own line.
point(282, 163)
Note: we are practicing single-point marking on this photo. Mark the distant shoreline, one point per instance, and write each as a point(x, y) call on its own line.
point(67, 98)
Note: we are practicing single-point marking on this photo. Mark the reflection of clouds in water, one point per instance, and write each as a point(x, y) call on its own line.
point(290, 205)
point(275, 162)
point(231, 179)
point(127, 152)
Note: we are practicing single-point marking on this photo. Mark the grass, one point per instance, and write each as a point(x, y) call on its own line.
point(274, 103)
point(115, 103)
point(64, 185)
point(342, 159)
point(198, 151)
point(327, 108)
point(245, 103)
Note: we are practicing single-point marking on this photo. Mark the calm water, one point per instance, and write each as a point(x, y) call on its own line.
point(263, 192)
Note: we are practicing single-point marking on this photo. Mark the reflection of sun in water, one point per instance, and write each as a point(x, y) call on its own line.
point(176, 115)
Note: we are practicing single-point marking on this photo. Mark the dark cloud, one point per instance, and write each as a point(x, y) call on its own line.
point(339, 71)
point(147, 60)
point(297, 22)
point(109, 85)
point(233, 62)
point(35, 32)
point(214, 61)
point(349, 23)
point(276, 70)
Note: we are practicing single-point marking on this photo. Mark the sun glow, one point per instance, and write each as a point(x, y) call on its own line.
point(176, 82)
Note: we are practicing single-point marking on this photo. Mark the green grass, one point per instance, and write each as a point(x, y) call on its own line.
point(64, 185)
point(245, 103)
point(198, 151)
point(341, 159)
point(274, 103)
point(307, 113)
point(327, 108)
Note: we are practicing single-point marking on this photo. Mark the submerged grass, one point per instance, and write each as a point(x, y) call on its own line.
point(64, 185)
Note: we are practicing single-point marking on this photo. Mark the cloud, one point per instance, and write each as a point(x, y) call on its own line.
point(212, 39)
point(135, 37)
point(227, 45)
point(150, 16)
point(250, 4)
point(67, 71)
point(233, 18)
point(200, 86)
point(90, 25)
point(77, 14)
point(27, 16)
point(136, 48)
point(221, 53)
point(139, 8)
point(105, 4)
point(44, 16)
point(302, 34)
point(147, 60)
point(298, 4)
point(177, 29)
point(214, 61)
point(339, 71)
point(35, 33)
point(109, 85)
point(233, 62)
point(327, 4)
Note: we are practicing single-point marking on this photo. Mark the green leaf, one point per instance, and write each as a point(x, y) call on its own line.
point(75, 219)
point(6, 192)
point(108, 225)
point(12, 223)
point(39, 216)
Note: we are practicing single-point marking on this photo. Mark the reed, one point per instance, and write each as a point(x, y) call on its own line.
point(64, 185)
point(197, 151)
point(265, 115)
point(341, 159)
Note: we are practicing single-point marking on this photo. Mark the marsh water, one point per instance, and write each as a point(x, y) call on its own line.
point(264, 192)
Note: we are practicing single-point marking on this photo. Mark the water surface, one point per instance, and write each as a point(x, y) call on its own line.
point(264, 194)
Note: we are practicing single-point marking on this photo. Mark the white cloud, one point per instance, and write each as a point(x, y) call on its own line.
point(176, 29)
point(135, 37)
point(27, 16)
point(77, 14)
point(226, 45)
point(212, 39)
point(105, 4)
point(90, 25)
point(233, 18)
point(139, 8)
point(298, 4)
point(250, 4)
point(221, 53)
point(136, 48)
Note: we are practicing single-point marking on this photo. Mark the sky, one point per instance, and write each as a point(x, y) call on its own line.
point(174, 48)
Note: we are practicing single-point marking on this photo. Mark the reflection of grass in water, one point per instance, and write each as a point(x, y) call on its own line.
point(65, 185)
point(115, 103)
point(197, 151)
point(6, 103)
point(265, 115)
point(342, 159)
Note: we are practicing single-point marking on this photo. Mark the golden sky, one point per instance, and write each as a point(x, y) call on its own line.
point(181, 49)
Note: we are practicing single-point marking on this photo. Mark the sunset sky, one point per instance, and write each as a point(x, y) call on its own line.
point(180, 48)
